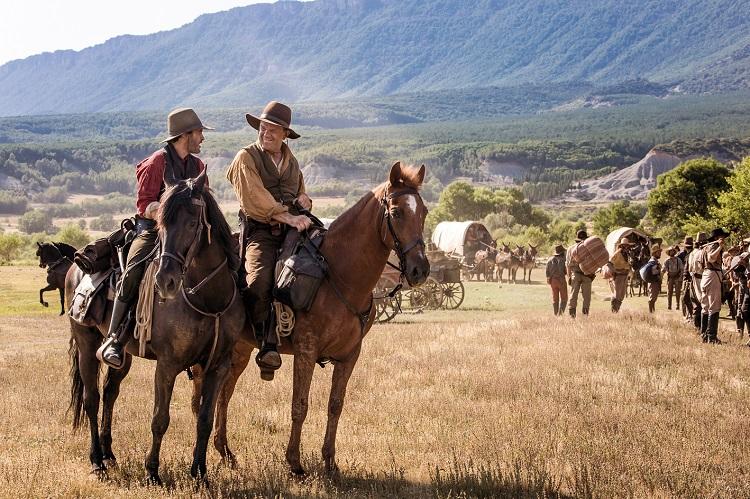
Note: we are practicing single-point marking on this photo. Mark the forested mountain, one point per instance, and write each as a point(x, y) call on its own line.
point(328, 49)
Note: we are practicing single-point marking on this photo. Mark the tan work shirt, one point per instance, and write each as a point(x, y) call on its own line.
point(255, 200)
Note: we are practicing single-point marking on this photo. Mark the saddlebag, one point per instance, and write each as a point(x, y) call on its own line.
point(101, 255)
point(302, 272)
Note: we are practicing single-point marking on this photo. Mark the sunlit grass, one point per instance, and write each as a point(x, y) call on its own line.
point(498, 398)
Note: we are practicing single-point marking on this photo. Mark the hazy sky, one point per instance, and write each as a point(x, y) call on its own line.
point(29, 27)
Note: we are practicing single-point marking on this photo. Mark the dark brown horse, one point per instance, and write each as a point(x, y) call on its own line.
point(391, 217)
point(197, 321)
point(57, 257)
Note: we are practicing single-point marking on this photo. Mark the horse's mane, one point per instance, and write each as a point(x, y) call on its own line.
point(409, 178)
point(179, 197)
point(66, 249)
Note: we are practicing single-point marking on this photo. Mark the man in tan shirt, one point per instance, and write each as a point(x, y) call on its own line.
point(269, 185)
point(620, 273)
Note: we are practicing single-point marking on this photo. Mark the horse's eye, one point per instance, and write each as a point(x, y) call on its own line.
point(396, 213)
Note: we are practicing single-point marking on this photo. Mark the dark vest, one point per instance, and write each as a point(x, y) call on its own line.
point(285, 187)
point(182, 169)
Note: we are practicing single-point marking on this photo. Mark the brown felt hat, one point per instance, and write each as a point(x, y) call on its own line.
point(183, 120)
point(671, 251)
point(625, 242)
point(275, 113)
point(655, 250)
point(559, 249)
point(701, 238)
point(688, 242)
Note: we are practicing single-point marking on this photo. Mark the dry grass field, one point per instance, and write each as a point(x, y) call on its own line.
point(496, 399)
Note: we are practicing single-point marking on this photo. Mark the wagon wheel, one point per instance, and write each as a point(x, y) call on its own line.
point(453, 294)
point(386, 307)
point(428, 295)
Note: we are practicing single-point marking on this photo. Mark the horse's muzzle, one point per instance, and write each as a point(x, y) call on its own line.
point(168, 281)
point(417, 272)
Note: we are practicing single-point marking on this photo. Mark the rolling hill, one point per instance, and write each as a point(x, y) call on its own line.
point(334, 49)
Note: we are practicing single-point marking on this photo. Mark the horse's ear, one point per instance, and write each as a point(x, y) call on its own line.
point(395, 175)
point(200, 180)
point(39, 244)
point(169, 178)
point(420, 175)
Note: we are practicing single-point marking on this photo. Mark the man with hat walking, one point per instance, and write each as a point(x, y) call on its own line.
point(653, 277)
point(579, 282)
point(269, 186)
point(711, 288)
point(695, 268)
point(684, 255)
point(556, 272)
point(185, 135)
point(620, 271)
point(673, 268)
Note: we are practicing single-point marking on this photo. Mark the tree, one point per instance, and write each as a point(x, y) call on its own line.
point(10, 246)
point(734, 204)
point(35, 221)
point(691, 189)
point(72, 234)
point(619, 214)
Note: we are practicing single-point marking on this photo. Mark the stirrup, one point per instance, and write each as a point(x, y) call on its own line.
point(100, 354)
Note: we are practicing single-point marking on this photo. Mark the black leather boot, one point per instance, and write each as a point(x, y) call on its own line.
point(704, 327)
point(268, 358)
point(561, 308)
point(698, 320)
point(713, 328)
point(555, 308)
point(112, 351)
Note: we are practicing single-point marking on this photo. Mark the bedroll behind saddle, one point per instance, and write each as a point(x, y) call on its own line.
point(101, 255)
point(302, 272)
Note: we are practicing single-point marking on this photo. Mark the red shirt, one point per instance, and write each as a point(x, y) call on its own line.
point(149, 175)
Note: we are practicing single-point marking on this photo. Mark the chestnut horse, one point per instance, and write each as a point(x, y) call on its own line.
point(57, 257)
point(357, 245)
point(190, 325)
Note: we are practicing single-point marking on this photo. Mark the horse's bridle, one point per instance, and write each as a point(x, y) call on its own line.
point(51, 266)
point(184, 261)
point(398, 247)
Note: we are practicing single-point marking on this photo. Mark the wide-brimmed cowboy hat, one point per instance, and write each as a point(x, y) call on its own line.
point(718, 233)
point(183, 120)
point(625, 242)
point(701, 238)
point(688, 242)
point(672, 251)
point(275, 113)
point(581, 235)
point(655, 250)
point(559, 250)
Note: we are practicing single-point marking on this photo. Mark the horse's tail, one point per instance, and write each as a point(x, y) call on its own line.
point(76, 386)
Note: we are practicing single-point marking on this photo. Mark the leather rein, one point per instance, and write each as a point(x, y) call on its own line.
point(184, 261)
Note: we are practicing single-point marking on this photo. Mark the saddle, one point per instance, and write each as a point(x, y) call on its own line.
point(89, 302)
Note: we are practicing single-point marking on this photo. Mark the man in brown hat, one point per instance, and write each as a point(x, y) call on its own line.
point(695, 268)
point(184, 138)
point(556, 272)
point(673, 268)
point(684, 255)
point(620, 272)
point(711, 285)
point(269, 185)
point(579, 282)
point(653, 276)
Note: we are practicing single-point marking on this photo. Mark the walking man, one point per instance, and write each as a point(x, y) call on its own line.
point(653, 277)
point(185, 135)
point(621, 271)
point(579, 282)
point(673, 268)
point(556, 272)
point(695, 268)
point(711, 285)
point(684, 255)
point(269, 186)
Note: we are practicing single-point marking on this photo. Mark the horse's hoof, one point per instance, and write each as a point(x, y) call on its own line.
point(229, 461)
point(98, 471)
point(45, 304)
point(110, 462)
point(154, 480)
point(297, 472)
point(61, 313)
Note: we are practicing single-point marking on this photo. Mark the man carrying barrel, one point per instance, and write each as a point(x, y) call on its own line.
point(578, 280)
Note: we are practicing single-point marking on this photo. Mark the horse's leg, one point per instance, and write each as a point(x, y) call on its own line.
point(195, 400)
point(88, 368)
point(111, 392)
point(240, 357)
point(49, 287)
point(341, 373)
point(304, 364)
point(163, 386)
point(62, 300)
point(212, 381)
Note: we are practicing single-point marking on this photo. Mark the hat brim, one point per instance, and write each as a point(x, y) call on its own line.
point(172, 137)
point(254, 122)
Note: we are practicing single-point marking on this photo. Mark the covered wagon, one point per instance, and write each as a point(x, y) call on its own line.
point(461, 240)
